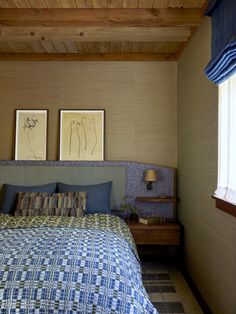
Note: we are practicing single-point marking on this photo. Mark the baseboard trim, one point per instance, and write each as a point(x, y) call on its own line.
point(205, 308)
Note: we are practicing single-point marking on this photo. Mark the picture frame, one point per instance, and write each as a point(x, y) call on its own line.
point(82, 135)
point(31, 134)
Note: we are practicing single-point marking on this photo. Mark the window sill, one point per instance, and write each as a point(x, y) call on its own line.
point(225, 206)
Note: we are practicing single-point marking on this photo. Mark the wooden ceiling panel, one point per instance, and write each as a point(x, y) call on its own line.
point(7, 4)
point(59, 46)
point(115, 4)
point(6, 48)
point(99, 4)
point(48, 46)
point(93, 47)
point(21, 4)
point(70, 46)
point(37, 4)
point(144, 34)
point(71, 4)
point(35, 47)
point(81, 47)
point(136, 47)
point(158, 47)
point(126, 47)
point(84, 4)
point(147, 47)
point(192, 3)
point(115, 47)
point(130, 4)
point(52, 4)
point(170, 47)
point(97, 29)
point(146, 4)
point(104, 47)
point(18, 47)
point(176, 3)
point(161, 4)
point(89, 47)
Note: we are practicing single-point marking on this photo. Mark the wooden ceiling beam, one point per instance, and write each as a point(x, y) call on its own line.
point(101, 17)
point(100, 34)
point(87, 57)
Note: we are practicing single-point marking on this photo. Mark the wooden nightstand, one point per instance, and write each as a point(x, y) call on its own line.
point(159, 234)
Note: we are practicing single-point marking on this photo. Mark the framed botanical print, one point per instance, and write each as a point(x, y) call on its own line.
point(31, 135)
point(82, 134)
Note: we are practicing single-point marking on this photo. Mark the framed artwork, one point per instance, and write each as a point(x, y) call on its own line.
point(82, 134)
point(31, 135)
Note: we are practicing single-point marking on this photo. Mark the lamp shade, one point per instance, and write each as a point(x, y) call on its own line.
point(150, 175)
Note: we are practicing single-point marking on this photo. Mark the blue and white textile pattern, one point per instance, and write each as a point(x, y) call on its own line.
point(68, 270)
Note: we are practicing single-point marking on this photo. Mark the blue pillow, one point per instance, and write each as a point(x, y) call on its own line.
point(10, 194)
point(98, 196)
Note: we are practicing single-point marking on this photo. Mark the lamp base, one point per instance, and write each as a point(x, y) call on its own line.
point(149, 185)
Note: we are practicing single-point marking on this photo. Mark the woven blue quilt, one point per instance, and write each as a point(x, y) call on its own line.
point(68, 265)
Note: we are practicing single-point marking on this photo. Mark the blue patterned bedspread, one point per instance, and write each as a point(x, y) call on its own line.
point(66, 265)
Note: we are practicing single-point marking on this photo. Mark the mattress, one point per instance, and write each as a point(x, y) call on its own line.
point(69, 265)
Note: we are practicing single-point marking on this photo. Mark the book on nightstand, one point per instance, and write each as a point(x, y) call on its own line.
point(152, 220)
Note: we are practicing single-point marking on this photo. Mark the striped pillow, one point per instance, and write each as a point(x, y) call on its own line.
point(55, 204)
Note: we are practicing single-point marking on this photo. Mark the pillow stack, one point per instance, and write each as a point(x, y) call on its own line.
point(72, 200)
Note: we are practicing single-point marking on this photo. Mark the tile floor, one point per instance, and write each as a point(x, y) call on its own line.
point(168, 289)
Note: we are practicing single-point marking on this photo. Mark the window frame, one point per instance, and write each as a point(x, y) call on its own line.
point(225, 206)
point(220, 202)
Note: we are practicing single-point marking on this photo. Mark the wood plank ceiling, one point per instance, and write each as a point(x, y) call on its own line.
point(97, 29)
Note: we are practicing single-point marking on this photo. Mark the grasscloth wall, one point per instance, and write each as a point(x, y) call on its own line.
point(210, 234)
point(139, 99)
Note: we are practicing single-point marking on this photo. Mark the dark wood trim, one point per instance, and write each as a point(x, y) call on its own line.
point(87, 57)
point(225, 206)
point(153, 199)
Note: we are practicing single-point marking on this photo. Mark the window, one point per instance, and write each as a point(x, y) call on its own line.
point(226, 185)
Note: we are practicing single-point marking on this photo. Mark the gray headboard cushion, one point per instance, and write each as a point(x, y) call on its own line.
point(127, 179)
point(37, 175)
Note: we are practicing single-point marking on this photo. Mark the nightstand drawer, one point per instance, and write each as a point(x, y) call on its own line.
point(165, 237)
point(163, 234)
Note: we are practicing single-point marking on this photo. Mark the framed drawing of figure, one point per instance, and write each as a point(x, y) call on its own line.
point(82, 134)
point(31, 134)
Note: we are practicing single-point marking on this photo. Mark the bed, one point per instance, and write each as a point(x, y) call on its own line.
point(69, 265)
point(58, 264)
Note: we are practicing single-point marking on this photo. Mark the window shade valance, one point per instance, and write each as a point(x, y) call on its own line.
point(223, 40)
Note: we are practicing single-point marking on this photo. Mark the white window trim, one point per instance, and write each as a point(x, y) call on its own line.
point(226, 185)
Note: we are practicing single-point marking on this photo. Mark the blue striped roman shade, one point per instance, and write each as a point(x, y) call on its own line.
point(223, 40)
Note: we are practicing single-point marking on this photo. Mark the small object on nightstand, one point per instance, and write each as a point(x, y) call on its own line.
point(152, 220)
point(133, 210)
point(134, 217)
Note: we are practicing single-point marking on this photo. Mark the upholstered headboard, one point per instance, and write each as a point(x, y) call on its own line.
point(127, 178)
